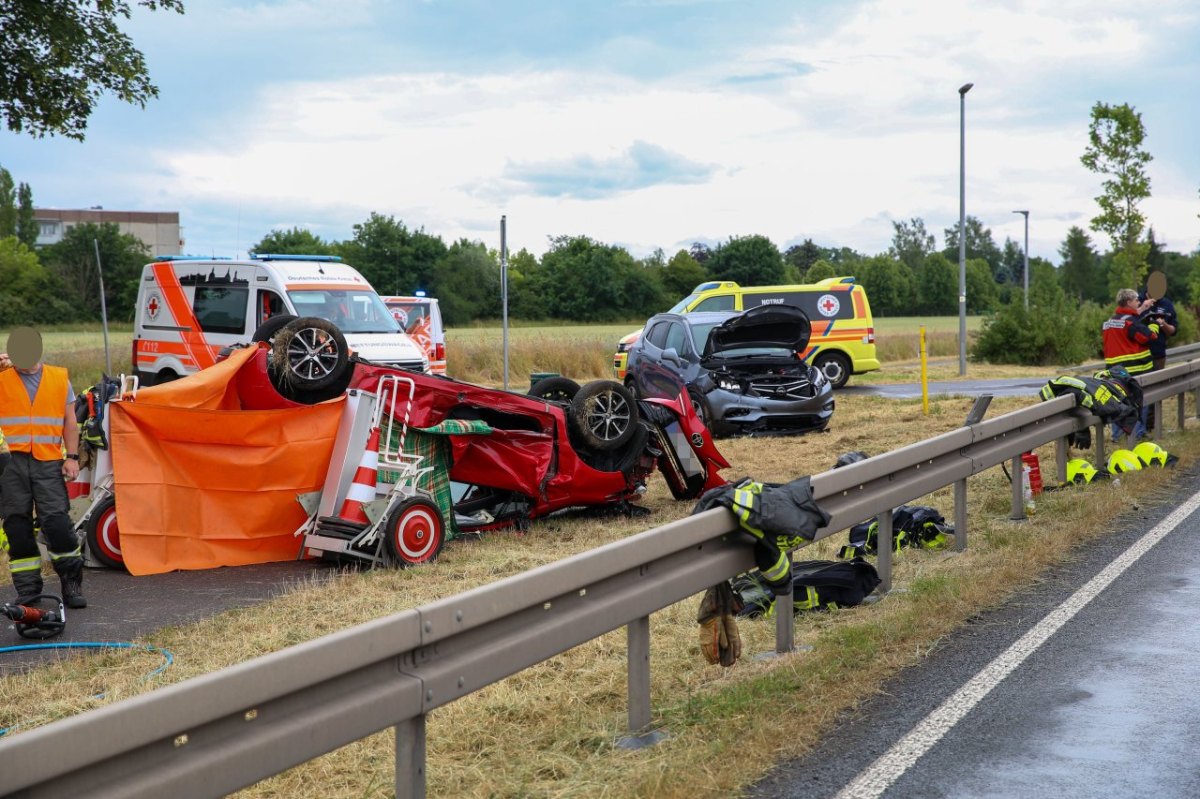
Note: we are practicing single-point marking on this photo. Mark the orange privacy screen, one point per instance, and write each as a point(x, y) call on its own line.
point(202, 483)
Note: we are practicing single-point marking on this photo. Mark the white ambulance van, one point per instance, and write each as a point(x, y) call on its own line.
point(421, 318)
point(189, 308)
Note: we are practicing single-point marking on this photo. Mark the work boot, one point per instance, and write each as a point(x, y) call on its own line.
point(28, 585)
point(70, 574)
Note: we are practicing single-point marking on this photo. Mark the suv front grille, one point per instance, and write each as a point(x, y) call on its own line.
point(408, 366)
point(782, 387)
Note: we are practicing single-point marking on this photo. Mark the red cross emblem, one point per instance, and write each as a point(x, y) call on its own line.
point(152, 306)
point(828, 305)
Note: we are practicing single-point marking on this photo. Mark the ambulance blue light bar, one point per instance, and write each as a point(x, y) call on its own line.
point(260, 256)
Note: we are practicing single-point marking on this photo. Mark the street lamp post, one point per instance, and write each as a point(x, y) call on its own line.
point(962, 227)
point(1026, 271)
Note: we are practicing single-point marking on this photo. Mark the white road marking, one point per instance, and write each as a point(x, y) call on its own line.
point(892, 764)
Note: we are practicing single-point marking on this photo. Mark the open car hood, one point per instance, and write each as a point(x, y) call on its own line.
point(783, 326)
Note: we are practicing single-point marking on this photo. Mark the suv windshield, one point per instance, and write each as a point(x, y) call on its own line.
point(353, 311)
point(701, 332)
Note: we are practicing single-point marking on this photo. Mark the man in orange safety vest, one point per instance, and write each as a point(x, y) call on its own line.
point(37, 413)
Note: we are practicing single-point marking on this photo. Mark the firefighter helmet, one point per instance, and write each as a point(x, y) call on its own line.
point(1150, 453)
point(1080, 472)
point(1123, 460)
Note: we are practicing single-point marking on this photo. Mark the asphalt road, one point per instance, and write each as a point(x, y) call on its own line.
point(123, 608)
point(1104, 707)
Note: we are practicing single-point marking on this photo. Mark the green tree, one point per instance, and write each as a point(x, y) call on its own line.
point(587, 281)
point(1181, 270)
point(58, 56)
point(982, 293)
point(31, 295)
point(682, 274)
point(1012, 262)
point(1115, 138)
point(979, 245)
point(911, 242)
point(889, 285)
point(393, 259)
point(1080, 273)
point(821, 270)
point(747, 260)
point(73, 261)
point(937, 287)
point(467, 283)
point(27, 229)
point(8, 204)
point(296, 241)
point(801, 257)
point(524, 276)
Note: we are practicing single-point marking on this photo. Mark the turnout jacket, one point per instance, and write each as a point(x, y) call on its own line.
point(1127, 342)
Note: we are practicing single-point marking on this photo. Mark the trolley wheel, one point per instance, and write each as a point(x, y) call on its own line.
point(414, 532)
point(103, 535)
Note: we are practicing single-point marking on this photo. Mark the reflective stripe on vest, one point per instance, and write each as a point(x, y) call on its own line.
point(36, 427)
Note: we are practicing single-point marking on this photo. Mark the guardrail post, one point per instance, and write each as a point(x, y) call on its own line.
point(1156, 433)
point(785, 620)
point(1061, 455)
point(1018, 489)
point(1196, 401)
point(1181, 414)
point(410, 758)
point(637, 653)
point(884, 543)
point(637, 636)
point(1099, 438)
point(960, 515)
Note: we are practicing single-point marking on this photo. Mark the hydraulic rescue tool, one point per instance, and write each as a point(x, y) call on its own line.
point(37, 623)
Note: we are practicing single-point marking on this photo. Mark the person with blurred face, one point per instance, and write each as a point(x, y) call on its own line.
point(37, 414)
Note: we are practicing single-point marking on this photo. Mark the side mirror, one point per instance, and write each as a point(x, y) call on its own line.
point(669, 354)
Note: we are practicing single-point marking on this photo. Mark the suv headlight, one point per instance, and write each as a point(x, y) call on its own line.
point(729, 384)
point(818, 379)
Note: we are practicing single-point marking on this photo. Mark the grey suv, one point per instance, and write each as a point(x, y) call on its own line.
point(743, 371)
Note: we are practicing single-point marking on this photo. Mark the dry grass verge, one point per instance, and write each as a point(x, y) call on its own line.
point(549, 731)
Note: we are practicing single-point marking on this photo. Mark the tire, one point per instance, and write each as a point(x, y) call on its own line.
point(414, 532)
point(267, 330)
point(835, 366)
point(309, 354)
point(165, 376)
point(555, 389)
point(603, 415)
point(103, 535)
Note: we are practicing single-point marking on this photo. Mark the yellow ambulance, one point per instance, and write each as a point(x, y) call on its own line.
point(843, 331)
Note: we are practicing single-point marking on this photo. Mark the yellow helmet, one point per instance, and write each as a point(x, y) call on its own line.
point(1150, 453)
point(1080, 472)
point(1123, 460)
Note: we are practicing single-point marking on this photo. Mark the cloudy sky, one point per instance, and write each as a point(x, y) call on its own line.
point(645, 123)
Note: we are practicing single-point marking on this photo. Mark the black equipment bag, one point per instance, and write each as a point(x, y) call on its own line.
point(816, 585)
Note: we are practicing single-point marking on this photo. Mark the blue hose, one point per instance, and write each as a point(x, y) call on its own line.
point(168, 658)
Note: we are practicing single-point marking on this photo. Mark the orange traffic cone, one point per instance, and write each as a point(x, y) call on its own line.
point(362, 487)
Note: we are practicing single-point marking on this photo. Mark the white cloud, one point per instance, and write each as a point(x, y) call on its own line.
point(834, 137)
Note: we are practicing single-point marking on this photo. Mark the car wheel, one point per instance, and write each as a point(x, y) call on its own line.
point(309, 354)
point(604, 415)
point(267, 330)
point(835, 366)
point(165, 376)
point(414, 532)
point(103, 535)
point(555, 389)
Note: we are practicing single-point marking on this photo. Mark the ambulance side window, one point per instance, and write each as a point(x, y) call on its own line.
point(269, 304)
point(721, 302)
point(221, 310)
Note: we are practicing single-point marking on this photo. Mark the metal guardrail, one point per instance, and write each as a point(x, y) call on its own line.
point(214, 734)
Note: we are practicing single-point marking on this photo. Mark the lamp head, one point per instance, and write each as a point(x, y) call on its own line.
point(966, 87)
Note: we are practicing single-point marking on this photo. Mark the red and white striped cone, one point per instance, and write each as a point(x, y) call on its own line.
point(362, 487)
